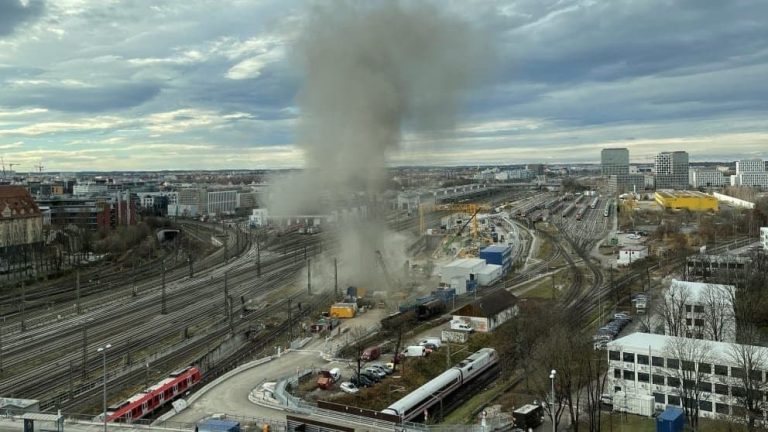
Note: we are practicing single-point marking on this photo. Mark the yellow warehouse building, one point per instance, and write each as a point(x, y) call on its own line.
point(690, 200)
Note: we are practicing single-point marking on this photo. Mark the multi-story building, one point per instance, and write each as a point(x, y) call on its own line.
point(615, 162)
point(701, 178)
point(221, 202)
point(699, 310)
point(21, 222)
point(723, 268)
point(764, 238)
point(750, 165)
point(671, 170)
point(753, 179)
point(89, 188)
point(674, 370)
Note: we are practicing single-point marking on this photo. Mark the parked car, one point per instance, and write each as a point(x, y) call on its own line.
point(387, 370)
point(430, 347)
point(376, 371)
point(461, 325)
point(372, 377)
point(431, 340)
point(362, 381)
point(606, 399)
point(348, 387)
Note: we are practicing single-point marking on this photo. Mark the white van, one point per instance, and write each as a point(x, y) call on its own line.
point(460, 325)
point(431, 340)
point(415, 351)
point(335, 374)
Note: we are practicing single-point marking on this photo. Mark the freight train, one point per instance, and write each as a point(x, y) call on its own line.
point(568, 210)
point(415, 403)
point(580, 213)
point(146, 402)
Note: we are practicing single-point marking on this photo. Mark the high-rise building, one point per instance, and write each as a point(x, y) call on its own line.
point(615, 162)
point(671, 170)
point(750, 165)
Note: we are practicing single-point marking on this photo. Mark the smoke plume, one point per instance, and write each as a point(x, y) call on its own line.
point(371, 71)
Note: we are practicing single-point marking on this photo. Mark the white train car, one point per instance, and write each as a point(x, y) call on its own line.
point(415, 403)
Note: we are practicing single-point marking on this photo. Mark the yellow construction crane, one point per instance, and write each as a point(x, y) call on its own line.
point(470, 208)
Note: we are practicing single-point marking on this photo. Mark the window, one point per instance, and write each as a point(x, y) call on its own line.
point(705, 386)
point(721, 370)
point(617, 373)
point(739, 391)
point(673, 382)
point(613, 355)
point(705, 406)
point(721, 408)
point(689, 365)
point(689, 384)
point(687, 308)
point(705, 368)
point(643, 377)
point(698, 309)
point(629, 357)
point(658, 379)
point(737, 372)
point(757, 395)
point(721, 389)
point(642, 359)
point(629, 375)
point(688, 321)
point(756, 375)
point(673, 400)
point(673, 363)
point(657, 361)
point(698, 322)
point(659, 397)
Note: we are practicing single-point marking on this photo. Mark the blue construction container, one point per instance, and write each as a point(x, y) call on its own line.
point(671, 420)
point(444, 294)
point(216, 425)
point(499, 255)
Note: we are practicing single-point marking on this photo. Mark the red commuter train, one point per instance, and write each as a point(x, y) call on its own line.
point(144, 403)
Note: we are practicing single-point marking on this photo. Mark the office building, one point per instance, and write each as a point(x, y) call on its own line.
point(643, 364)
point(701, 178)
point(750, 165)
point(671, 170)
point(615, 162)
point(751, 179)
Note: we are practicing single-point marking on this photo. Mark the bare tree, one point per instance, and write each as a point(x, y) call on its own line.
point(671, 308)
point(749, 386)
point(688, 375)
point(717, 314)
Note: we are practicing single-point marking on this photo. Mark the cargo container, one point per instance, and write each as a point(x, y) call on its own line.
point(528, 416)
point(344, 310)
point(355, 292)
point(643, 405)
point(498, 254)
point(216, 425)
point(671, 420)
point(455, 336)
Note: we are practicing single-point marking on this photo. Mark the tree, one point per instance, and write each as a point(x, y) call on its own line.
point(750, 361)
point(688, 376)
point(719, 322)
point(671, 308)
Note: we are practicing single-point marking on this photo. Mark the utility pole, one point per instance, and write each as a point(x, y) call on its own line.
point(309, 276)
point(134, 292)
point(78, 310)
point(613, 287)
point(258, 257)
point(23, 300)
point(553, 286)
point(447, 355)
point(163, 311)
point(85, 352)
point(290, 319)
point(71, 388)
point(230, 314)
point(226, 295)
point(1, 350)
point(336, 278)
point(191, 270)
point(226, 249)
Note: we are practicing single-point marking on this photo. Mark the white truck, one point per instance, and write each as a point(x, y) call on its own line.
point(415, 351)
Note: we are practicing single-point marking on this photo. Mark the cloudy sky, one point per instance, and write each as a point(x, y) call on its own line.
point(135, 84)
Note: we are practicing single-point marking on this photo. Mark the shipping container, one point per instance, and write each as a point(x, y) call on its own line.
point(454, 336)
point(671, 420)
point(216, 425)
point(344, 310)
point(643, 405)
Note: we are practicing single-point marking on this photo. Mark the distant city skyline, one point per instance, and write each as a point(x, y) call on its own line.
point(87, 85)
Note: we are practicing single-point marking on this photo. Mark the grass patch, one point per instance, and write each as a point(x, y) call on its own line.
point(466, 412)
point(620, 422)
point(544, 249)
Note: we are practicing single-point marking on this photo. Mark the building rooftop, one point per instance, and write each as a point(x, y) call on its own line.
point(696, 290)
point(16, 202)
point(656, 344)
point(466, 263)
point(496, 248)
point(683, 194)
point(489, 305)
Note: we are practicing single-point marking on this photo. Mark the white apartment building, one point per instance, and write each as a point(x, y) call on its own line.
point(706, 178)
point(89, 188)
point(706, 308)
point(755, 179)
point(764, 237)
point(750, 165)
point(628, 255)
point(643, 364)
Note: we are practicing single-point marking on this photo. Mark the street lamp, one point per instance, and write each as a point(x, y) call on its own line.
point(552, 380)
point(103, 351)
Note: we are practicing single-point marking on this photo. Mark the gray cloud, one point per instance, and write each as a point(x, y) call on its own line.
point(15, 12)
point(87, 99)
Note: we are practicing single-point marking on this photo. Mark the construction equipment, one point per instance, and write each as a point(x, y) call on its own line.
point(393, 285)
point(470, 208)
